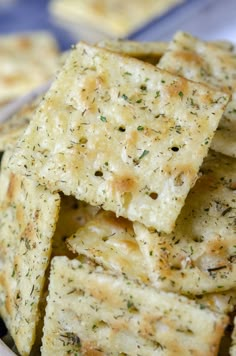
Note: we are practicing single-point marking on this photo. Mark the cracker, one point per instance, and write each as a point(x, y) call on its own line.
point(116, 118)
point(110, 16)
point(28, 217)
point(147, 51)
point(200, 61)
point(12, 129)
point(92, 312)
point(206, 63)
point(110, 241)
point(22, 66)
point(199, 256)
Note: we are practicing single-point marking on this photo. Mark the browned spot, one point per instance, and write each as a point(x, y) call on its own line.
point(12, 79)
point(189, 57)
point(181, 172)
point(132, 138)
point(12, 187)
point(177, 88)
point(119, 325)
point(99, 8)
point(90, 349)
point(29, 232)
point(104, 293)
point(232, 186)
point(20, 214)
point(148, 325)
point(131, 246)
point(217, 247)
point(122, 184)
point(25, 43)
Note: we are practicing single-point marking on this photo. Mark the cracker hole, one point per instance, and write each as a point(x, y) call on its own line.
point(98, 174)
point(132, 308)
point(153, 195)
point(143, 87)
point(198, 239)
point(175, 149)
point(105, 238)
point(122, 129)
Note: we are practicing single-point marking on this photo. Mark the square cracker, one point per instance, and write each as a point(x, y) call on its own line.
point(112, 17)
point(201, 61)
point(90, 312)
point(110, 241)
point(199, 256)
point(22, 67)
point(106, 120)
point(207, 63)
point(28, 215)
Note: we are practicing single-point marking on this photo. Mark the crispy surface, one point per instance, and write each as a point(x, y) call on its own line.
point(105, 121)
point(22, 66)
point(111, 16)
point(28, 215)
point(94, 313)
point(208, 63)
point(199, 256)
point(110, 241)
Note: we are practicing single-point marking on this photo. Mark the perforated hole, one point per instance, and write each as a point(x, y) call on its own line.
point(132, 308)
point(143, 87)
point(104, 238)
point(175, 149)
point(122, 129)
point(98, 174)
point(153, 195)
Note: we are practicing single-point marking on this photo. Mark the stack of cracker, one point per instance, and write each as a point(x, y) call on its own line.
point(117, 232)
